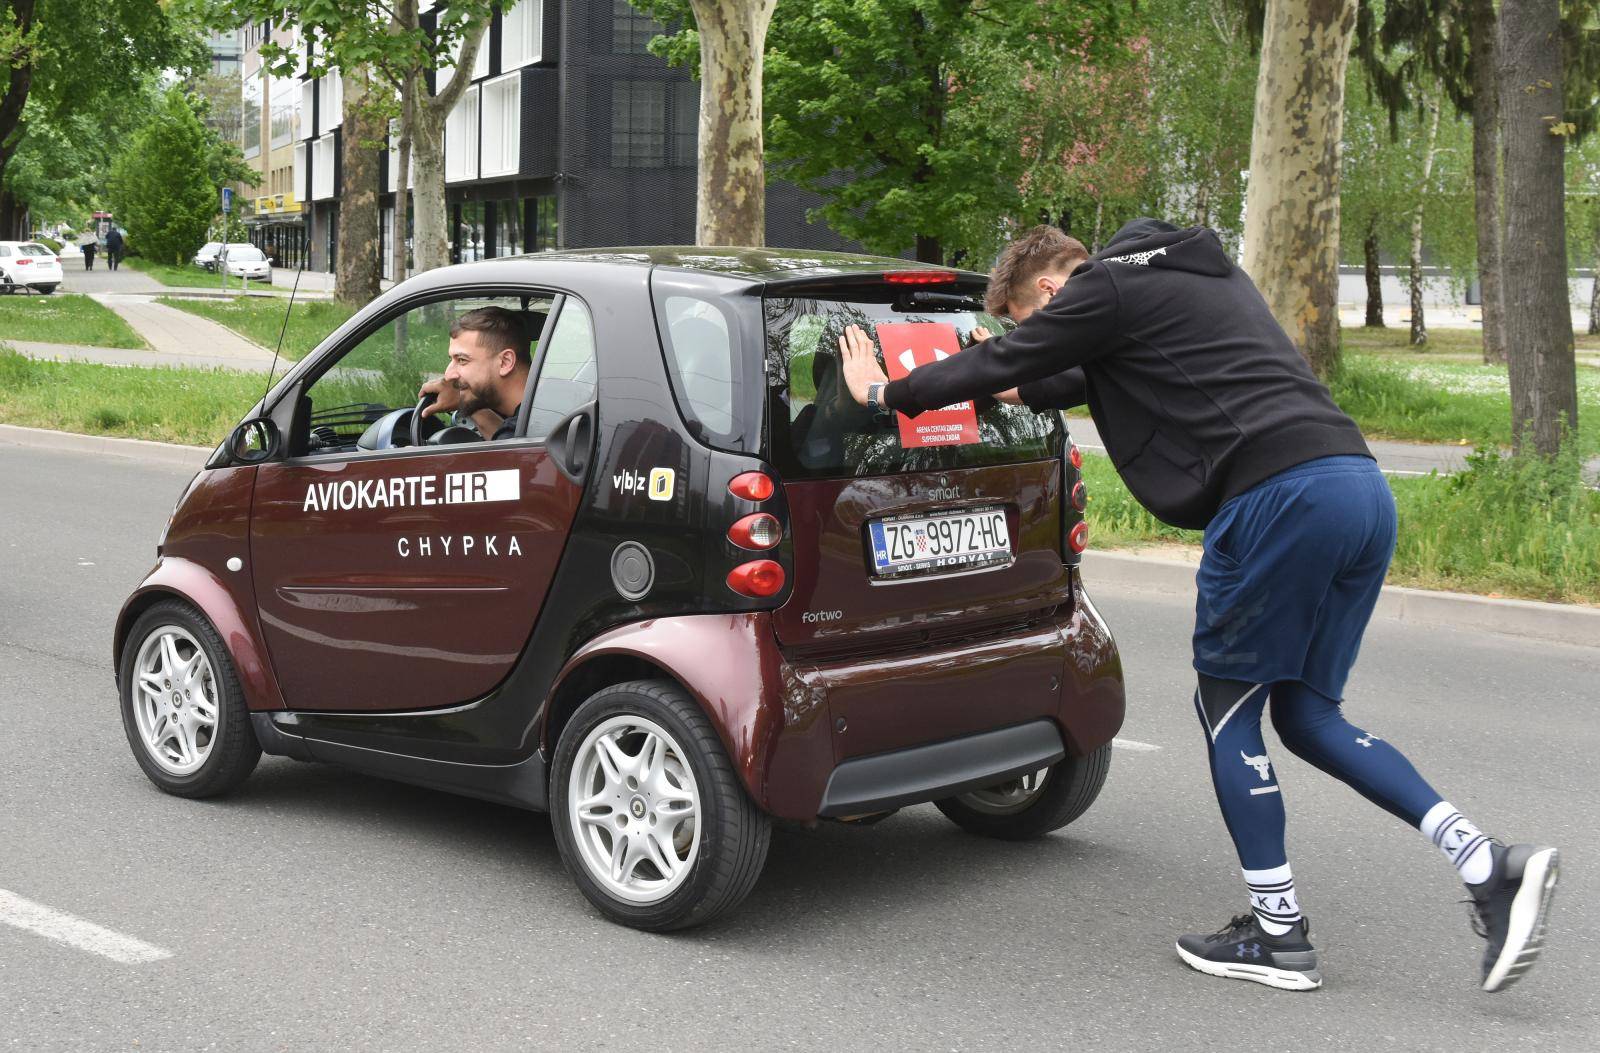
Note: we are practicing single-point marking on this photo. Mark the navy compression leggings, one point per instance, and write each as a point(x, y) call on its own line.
point(1313, 727)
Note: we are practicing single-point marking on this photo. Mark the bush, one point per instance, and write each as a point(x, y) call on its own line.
point(160, 185)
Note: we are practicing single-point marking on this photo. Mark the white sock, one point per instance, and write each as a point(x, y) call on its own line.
point(1461, 842)
point(1272, 898)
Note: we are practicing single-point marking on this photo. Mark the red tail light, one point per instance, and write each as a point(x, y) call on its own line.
point(1076, 456)
point(24, 262)
point(920, 277)
point(759, 578)
point(1078, 538)
point(752, 486)
point(1080, 495)
point(759, 531)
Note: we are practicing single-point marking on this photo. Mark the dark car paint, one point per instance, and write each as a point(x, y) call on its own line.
point(773, 706)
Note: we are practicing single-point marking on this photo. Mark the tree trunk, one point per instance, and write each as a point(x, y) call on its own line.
point(1291, 240)
point(1369, 249)
point(430, 241)
point(1538, 330)
point(1419, 325)
point(1481, 39)
point(731, 200)
point(1594, 288)
point(929, 250)
point(406, 19)
point(360, 264)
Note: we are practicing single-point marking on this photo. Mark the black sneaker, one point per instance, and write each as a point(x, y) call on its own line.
point(1510, 909)
point(1241, 951)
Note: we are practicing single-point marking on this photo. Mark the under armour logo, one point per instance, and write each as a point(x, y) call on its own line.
point(1262, 766)
point(1250, 950)
point(1368, 740)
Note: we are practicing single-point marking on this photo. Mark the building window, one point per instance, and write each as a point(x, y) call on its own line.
point(330, 101)
point(638, 124)
point(285, 123)
point(521, 39)
point(308, 94)
point(461, 138)
point(507, 228)
point(466, 242)
point(686, 124)
point(322, 168)
point(251, 116)
point(630, 30)
point(542, 231)
point(300, 190)
point(502, 125)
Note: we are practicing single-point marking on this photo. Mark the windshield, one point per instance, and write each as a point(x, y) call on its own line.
point(818, 431)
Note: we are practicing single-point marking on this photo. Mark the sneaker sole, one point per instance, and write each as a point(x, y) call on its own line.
point(1282, 979)
point(1530, 911)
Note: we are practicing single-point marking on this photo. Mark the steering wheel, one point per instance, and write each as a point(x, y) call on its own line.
point(416, 416)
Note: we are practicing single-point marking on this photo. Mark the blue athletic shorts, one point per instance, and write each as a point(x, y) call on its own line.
point(1291, 572)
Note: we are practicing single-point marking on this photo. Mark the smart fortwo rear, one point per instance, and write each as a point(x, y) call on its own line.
point(697, 589)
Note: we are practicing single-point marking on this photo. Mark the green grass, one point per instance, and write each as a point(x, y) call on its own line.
point(189, 276)
point(1504, 527)
point(260, 320)
point(64, 319)
point(192, 406)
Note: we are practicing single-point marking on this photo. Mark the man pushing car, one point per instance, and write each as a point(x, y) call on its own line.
point(1215, 422)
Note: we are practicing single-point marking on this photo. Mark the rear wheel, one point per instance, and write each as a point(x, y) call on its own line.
point(651, 819)
point(1034, 804)
point(46, 289)
point(182, 707)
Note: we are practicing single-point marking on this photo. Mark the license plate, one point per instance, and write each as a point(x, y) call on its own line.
point(908, 545)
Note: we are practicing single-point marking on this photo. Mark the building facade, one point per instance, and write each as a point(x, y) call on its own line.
point(273, 124)
point(570, 134)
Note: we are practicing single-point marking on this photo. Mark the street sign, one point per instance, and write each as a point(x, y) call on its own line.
point(227, 199)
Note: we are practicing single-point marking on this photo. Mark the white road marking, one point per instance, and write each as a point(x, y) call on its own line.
point(75, 932)
point(1133, 746)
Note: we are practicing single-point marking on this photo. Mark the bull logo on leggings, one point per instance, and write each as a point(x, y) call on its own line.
point(1262, 766)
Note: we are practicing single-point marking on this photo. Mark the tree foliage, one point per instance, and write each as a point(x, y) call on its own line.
point(161, 185)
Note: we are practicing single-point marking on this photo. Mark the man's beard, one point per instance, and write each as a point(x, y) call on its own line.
point(473, 400)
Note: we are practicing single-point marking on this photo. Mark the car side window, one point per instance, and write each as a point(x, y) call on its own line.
point(383, 371)
point(566, 368)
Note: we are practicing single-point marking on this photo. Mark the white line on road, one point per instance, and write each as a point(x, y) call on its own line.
point(75, 932)
point(1133, 746)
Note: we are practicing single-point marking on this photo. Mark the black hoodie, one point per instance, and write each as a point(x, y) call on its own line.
point(1196, 391)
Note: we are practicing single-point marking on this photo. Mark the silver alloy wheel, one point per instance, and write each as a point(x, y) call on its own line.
point(634, 809)
point(1009, 797)
point(174, 700)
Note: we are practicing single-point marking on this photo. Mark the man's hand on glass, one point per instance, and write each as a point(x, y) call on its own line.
point(861, 369)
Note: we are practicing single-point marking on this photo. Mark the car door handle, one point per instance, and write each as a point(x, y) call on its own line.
point(570, 443)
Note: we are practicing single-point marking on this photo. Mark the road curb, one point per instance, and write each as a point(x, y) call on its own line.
point(1552, 622)
point(138, 449)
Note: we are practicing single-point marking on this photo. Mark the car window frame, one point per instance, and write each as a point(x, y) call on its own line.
point(327, 356)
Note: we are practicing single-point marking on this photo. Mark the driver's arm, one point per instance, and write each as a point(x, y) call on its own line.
point(487, 421)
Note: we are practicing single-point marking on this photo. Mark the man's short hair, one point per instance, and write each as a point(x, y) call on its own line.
point(496, 328)
point(1044, 248)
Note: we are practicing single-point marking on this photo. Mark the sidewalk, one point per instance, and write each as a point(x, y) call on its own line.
point(127, 280)
point(183, 338)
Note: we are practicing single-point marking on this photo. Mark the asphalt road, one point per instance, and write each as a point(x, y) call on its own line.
point(316, 909)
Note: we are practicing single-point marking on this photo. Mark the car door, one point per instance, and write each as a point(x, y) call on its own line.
point(399, 577)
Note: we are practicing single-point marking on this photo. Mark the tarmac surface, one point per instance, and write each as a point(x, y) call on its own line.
point(321, 909)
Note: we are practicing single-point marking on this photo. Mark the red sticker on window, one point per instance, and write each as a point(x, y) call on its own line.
point(907, 345)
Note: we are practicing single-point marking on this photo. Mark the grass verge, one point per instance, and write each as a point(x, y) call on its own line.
point(1502, 527)
point(189, 276)
point(191, 406)
point(261, 320)
point(64, 318)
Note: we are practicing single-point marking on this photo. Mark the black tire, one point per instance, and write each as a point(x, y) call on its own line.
point(46, 289)
point(234, 750)
point(1069, 788)
point(734, 834)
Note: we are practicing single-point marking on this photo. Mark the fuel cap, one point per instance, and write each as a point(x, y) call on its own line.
point(632, 570)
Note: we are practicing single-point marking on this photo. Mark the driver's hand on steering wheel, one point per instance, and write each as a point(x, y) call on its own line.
point(447, 397)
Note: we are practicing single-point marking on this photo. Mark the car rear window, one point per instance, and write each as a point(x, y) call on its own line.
point(818, 430)
point(36, 250)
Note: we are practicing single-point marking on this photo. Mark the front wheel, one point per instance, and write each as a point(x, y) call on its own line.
point(45, 290)
point(650, 817)
point(1034, 804)
point(182, 707)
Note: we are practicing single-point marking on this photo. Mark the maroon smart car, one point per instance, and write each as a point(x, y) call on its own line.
point(697, 589)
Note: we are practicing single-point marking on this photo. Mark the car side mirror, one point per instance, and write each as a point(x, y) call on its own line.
point(254, 442)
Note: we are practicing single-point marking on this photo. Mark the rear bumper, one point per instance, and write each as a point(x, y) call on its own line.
point(941, 769)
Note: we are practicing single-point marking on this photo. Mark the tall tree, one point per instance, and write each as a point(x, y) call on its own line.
point(1291, 241)
point(161, 186)
point(1544, 391)
point(1430, 150)
point(731, 196)
point(358, 268)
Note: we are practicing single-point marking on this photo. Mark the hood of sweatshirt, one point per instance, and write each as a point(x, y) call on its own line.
point(1153, 243)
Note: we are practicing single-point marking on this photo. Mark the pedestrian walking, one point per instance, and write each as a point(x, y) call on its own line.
point(1215, 422)
point(114, 247)
point(87, 244)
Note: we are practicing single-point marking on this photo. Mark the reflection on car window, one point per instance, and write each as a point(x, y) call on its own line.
point(36, 250)
point(384, 371)
point(702, 349)
point(566, 370)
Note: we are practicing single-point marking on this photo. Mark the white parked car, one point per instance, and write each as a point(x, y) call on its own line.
point(246, 261)
point(207, 256)
point(28, 265)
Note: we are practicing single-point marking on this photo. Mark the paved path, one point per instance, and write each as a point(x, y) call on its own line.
point(256, 361)
point(182, 336)
point(347, 898)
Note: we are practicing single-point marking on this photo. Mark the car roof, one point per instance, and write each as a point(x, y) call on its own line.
point(752, 264)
